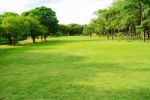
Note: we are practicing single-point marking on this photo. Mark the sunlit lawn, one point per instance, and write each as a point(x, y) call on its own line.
point(75, 68)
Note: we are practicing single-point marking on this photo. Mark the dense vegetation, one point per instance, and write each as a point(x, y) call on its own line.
point(125, 18)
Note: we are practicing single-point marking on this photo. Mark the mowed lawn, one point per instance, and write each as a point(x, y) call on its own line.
point(75, 68)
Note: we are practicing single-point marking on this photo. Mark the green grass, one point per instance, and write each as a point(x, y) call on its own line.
point(75, 68)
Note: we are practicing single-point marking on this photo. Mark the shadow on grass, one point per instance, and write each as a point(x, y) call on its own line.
point(29, 46)
point(31, 75)
point(83, 92)
point(49, 76)
point(55, 42)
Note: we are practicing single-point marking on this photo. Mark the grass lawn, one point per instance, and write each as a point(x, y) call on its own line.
point(75, 68)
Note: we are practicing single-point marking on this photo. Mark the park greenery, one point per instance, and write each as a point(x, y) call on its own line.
point(125, 18)
point(106, 59)
point(39, 22)
point(128, 19)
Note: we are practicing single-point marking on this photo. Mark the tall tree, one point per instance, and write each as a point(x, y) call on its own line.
point(35, 28)
point(47, 18)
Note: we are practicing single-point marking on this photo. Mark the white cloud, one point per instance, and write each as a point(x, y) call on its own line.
point(68, 11)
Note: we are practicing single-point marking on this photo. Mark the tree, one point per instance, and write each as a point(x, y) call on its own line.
point(14, 27)
point(64, 29)
point(100, 26)
point(71, 29)
point(75, 29)
point(47, 17)
point(88, 29)
point(35, 28)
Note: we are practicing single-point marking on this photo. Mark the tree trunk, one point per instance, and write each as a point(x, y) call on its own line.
point(10, 41)
point(13, 40)
point(45, 38)
point(148, 34)
point(99, 34)
point(112, 33)
point(127, 33)
point(33, 39)
point(41, 38)
point(90, 34)
point(144, 36)
point(130, 32)
point(108, 35)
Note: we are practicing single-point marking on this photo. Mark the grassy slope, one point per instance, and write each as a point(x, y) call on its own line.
point(75, 68)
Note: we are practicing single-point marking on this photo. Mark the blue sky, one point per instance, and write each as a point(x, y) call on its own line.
point(68, 11)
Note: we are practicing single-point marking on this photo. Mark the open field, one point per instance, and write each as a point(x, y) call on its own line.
point(75, 68)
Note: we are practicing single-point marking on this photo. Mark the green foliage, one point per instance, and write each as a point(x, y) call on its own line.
point(14, 27)
point(35, 28)
point(40, 21)
point(88, 29)
point(64, 29)
point(47, 18)
point(124, 16)
point(71, 29)
point(75, 29)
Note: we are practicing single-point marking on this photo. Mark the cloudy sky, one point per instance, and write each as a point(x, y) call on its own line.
point(68, 11)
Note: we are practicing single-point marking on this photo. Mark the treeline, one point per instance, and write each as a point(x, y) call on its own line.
point(40, 22)
point(128, 19)
point(71, 29)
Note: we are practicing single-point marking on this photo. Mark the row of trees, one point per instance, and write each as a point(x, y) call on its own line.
point(125, 18)
point(40, 21)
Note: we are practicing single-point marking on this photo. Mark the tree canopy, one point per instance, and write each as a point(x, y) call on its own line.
point(46, 16)
point(14, 27)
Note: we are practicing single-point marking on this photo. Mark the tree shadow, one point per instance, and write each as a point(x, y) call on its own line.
point(55, 42)
point(69, 77)
point(66, 76)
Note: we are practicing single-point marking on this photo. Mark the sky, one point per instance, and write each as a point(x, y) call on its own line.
point(67, 11)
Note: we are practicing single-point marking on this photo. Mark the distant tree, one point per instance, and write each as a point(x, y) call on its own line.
point(71, 29)
point(64, 29)
point(75, 29)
